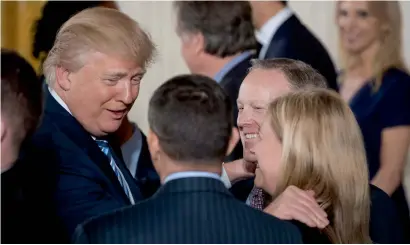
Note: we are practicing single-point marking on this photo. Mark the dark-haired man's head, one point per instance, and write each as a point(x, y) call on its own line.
point(21, 104)
point(211, 31)
point(191, 125)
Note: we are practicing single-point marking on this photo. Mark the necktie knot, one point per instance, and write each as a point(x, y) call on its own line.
point(102, 143)
point(104, 146)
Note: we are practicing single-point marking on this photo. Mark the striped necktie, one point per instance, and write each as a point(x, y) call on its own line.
point(106, 149)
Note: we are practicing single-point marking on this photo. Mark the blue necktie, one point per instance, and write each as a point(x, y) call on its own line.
point(106, 149)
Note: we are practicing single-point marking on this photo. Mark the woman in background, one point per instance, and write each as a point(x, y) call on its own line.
point(311, 140)
point(376, 84)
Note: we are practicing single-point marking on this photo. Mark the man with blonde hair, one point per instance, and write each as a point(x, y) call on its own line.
point(93, 73)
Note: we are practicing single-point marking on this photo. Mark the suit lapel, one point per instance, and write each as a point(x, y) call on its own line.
point(238, 72)
point(279, 40)
point(146, 173)
point(77, 134)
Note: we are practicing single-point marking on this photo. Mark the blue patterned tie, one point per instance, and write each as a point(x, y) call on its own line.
point(106, 149)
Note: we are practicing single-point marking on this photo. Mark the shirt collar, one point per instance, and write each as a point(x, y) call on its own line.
point(62, 103)
point(266, 32)
point(59, 100)
point(231, 64)
point(191, 174)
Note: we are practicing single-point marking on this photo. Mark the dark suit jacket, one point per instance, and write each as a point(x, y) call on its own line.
point(294, 41)
point(68, 179)
point(146, 173)
point(188, 210)
point(385, 225)
point(231, 83)
point(311, 235)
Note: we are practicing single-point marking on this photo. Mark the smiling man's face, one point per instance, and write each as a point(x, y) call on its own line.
point(259, 88)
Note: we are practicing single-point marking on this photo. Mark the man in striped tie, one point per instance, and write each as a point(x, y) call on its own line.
point(267, 80)
point(93, 74)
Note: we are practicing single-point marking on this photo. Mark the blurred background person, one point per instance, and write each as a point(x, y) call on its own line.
point(283, 35)
point(311, 140)
point(218, 41)
point(131, 141)
point(376, 84)
point(21, 109)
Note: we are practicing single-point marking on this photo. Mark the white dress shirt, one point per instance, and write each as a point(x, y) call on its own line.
point(131, 150)
point(191, 174)
point(265, 34)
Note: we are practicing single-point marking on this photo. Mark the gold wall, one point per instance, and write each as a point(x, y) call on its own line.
point(17, 18)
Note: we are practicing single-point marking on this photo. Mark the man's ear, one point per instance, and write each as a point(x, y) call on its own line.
point(198, 41)
point(233, 141)
point(62, 78)
point(153, 144)
point(3, 130)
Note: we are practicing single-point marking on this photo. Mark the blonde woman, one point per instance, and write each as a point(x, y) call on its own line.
point(376, 84)
point(311, 140)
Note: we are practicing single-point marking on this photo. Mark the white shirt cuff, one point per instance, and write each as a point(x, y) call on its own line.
point(225, 178)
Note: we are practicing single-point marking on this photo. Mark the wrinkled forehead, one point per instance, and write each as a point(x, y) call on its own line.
point(263, 86)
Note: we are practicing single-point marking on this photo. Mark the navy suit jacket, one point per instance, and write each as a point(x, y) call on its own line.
point(231, 83)
point(188, 210)
point(146, 173)
point(294, 41)
point(68, 179)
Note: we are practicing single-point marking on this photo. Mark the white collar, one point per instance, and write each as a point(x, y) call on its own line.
point(266, 32)
point(58, 99)
point(61, 102)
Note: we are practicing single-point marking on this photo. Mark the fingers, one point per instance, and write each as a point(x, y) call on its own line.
point(250, 167)
point(312, 204)
point(304, 202)
point(301, 214)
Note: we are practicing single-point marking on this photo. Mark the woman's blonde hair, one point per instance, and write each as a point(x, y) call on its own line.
point(323, 151)
point(390, 52)
point(97, 29)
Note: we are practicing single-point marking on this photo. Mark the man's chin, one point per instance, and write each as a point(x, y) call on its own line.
point(112, 127)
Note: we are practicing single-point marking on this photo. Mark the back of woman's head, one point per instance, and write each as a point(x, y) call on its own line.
point(323, 151)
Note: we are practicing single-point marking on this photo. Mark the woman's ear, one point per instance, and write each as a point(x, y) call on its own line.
point(233, 141)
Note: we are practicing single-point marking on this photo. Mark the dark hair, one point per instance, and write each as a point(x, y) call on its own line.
point(299, 74)
point(54, 15)
point(21, 92)
point(192, 117)
point(226, 25)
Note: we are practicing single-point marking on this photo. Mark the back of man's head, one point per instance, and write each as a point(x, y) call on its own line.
point(192, 117)
point(299, 74)
point(225, 25)
point(21, 104)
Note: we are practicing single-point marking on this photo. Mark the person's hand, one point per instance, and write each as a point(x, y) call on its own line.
point(300, 205)
point(239, 169)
